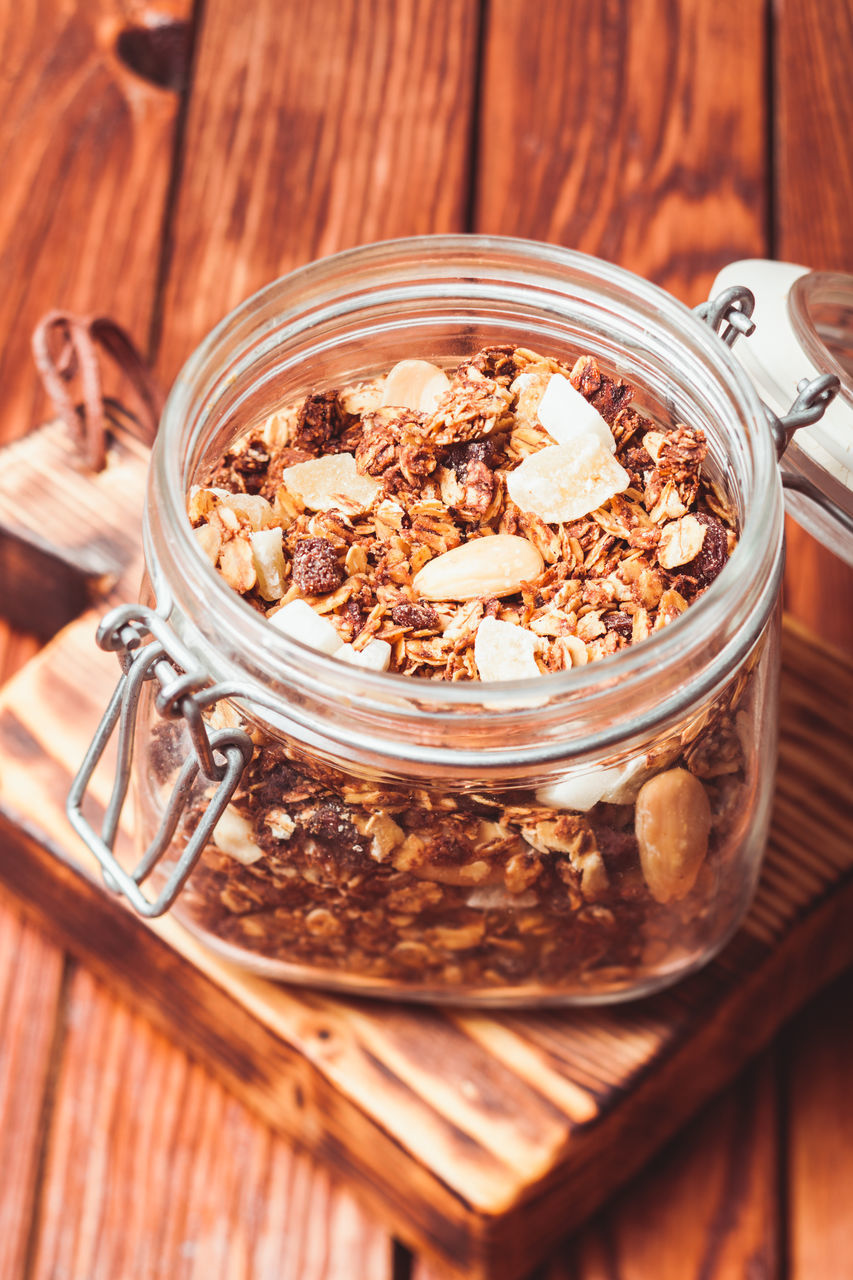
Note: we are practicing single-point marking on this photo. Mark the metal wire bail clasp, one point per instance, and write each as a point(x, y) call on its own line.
point(729, 314)
point(148, 649)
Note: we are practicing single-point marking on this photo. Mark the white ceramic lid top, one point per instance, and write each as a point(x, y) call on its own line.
point(775, 360)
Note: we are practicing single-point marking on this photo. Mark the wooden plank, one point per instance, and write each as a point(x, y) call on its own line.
point(154, 1170)
point(31, 1000)
point(53, 517)
point(86, 151)
point(492, 1177)
point(812, 224)
point(317, 126)
point(706, 1209)
point(638, 137)
point(819, 1049)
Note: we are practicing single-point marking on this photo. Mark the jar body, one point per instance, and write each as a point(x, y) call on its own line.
point(590, 839)
point(408, 887)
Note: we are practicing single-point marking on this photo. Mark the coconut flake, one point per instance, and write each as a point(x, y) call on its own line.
point(504, 651)
point(617, 784)
point(566, 414)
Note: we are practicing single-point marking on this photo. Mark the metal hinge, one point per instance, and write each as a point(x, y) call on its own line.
point(149, 650)
point(733, 309)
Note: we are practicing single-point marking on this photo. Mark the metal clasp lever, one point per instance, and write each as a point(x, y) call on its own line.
point(733, 309)
point(148, 649)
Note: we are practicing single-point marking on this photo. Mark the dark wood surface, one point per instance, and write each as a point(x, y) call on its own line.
point(378, 120)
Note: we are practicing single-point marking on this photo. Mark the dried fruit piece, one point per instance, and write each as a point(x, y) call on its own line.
point(316, 570)
point(269, 562)
point(565, 482)
point(680, 542)
point(504, 651)
point(420, 617)
point(672, 823)
point(375, 656)
point(415, 384)
point(714, 552)
point(566, 414)
point(492, 566)
point(299, 621)
point(332, 481)
point(234, 835)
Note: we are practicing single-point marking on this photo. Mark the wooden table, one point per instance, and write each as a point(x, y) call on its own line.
point(159, 164)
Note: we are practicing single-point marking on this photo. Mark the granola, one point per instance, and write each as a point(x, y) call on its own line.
point(513, 518)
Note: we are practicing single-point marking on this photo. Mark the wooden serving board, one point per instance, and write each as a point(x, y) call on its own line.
point(480, 1138)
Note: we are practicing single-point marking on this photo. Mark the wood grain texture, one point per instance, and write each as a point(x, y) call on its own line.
point(488, 1177)
point(54, 567)
point(31, 997)
point(633, 130)
point(314, 127)
point(818, 1049)
point(170, 1176)
point(706, 1209)
point(813, 225)
point(86, 151)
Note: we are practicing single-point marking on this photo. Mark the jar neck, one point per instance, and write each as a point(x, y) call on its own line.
point(348, 317)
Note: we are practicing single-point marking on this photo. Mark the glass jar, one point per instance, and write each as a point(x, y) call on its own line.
point(468, 842)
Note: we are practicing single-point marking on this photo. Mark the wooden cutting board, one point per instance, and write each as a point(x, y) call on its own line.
point(480, 1138)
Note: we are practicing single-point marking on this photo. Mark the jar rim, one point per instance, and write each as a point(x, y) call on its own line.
point(742, 596)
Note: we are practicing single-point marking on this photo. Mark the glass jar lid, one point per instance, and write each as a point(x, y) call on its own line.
point(803, 329)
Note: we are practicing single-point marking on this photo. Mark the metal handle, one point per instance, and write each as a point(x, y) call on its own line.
point(733, 309)
point(148, 649)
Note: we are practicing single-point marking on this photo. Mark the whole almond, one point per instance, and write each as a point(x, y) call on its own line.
point(495, 565)
point(672, 822)
point(415, 384)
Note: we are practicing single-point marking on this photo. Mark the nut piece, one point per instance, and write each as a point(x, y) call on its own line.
point(672, 823)
point(680, 541)
point(331, 481)
point(234, 835)
point(565, 482)
point(495, 565)
point(415, 384)
point(503, 651)
point(614, 784)
point(566, 414)
point(299, 621)
point(375, 656)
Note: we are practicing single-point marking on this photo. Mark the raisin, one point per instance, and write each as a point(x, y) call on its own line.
point(322, 420)
point(621, 622)
point(713, 554)
point(331, 823)
point(619, 849)
point(458, 456)
point(420, 617)
point(315, 567)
